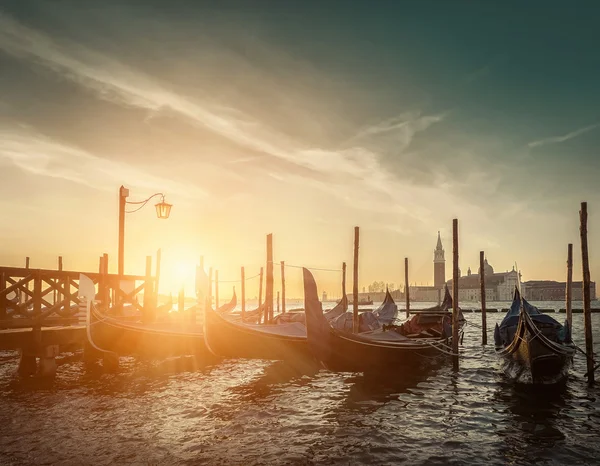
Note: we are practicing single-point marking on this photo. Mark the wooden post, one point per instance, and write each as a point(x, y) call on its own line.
point(355, 284)
point(569, 290)
point(58, 281)
point(482, 284)
point(278, 302)
point(243, 294)
point(148, 292)
point(455, 293)
point(23, 296)
point(157, 280)
point(106, 291)
point(269, 283)
point(587, 313)
point(210, 287)
point(3, 297)
point(181, 300)
point(282, 287)
point(216, 289)
point(344, 299)
point(260, 284)
point(406, 287)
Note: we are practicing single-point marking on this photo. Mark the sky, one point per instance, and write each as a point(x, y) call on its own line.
point(301, 119)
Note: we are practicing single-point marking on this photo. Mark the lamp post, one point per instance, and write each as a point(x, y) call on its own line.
point(162, 211)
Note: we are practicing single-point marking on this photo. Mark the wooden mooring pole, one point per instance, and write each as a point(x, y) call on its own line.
point(209, 297)
point(406, 287)
point(355, 284)
point(106, 295)
point(260, 285)
point(149, 305)
point(344, 297)
point(157, 280)
point(243, 294)
point(569, 290)
point(278, 302)
point(270, 279)
point(455, 293)
point(216, 289)
point(587, 313)
point(282, 287)
point(482, 283)
point(57, 295)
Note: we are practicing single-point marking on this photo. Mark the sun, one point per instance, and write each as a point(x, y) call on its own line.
point(177, 275)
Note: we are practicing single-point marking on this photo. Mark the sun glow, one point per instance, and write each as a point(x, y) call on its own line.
point(178, 274)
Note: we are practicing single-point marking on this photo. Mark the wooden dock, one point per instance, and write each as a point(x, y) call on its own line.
point(40, 312)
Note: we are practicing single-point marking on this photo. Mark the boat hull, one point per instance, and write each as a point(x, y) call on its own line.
point(147, 340)
point(349, 353)
point(230, 339)
point(532, 358)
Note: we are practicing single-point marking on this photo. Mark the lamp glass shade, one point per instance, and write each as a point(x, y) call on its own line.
point(163, 209)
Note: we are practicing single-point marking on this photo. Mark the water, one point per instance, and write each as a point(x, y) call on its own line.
point(262, 412)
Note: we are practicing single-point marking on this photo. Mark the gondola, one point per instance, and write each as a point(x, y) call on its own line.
point(298, 315)
point(368, 320)
point(385, 349)
point(158, 340)
point(534, 347)
point(151, 340)
point(231, 338)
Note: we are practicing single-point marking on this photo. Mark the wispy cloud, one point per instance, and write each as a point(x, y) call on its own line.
point(566, 137)
point(113, 81)
point(39, 155)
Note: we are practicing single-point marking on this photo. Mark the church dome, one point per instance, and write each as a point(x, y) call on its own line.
point(487, 268)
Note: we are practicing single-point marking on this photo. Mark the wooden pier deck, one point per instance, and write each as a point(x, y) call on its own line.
point(17, 338)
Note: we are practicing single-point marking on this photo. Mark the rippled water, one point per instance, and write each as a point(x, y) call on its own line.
point(262, 412)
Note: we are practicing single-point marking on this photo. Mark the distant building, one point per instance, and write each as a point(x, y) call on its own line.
point(498, 286)
point(439, 265)
point(548, 290)
point(433, 293)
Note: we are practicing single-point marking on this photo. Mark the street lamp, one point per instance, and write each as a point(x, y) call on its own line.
point(163, 210)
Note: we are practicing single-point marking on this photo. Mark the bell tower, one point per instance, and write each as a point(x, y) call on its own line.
point(439, 265)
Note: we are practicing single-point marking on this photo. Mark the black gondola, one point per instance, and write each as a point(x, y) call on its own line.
point(533, 346)
point(386, 349)
point(367, 320)
point(229, 337)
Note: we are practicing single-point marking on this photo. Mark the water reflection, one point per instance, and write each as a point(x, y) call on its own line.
point(276, 376)
point(535, 422)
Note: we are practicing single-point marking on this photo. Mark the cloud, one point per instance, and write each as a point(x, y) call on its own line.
point(39, 155)
point(342, 168)
point(566, 137)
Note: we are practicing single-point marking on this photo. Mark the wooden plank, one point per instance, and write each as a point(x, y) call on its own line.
point(72, 274)
point(16, 285)
point(29, 322)
point(26, 338)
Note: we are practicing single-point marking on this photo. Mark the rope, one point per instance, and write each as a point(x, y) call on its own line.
point(309, 268)
point(239, 281)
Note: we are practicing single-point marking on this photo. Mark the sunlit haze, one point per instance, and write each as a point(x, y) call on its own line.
point(268, 118)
